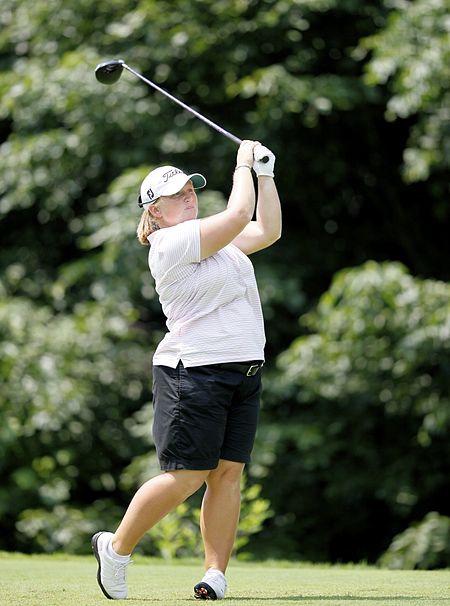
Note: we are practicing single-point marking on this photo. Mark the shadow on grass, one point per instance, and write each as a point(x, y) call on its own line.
point(303, 598)
point(327, 598)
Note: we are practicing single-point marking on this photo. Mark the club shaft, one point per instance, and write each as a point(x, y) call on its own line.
point(184, 106)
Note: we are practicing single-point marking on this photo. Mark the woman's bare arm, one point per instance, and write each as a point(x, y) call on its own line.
point(219, 230)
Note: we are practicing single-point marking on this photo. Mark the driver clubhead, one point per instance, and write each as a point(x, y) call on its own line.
point(109, 72)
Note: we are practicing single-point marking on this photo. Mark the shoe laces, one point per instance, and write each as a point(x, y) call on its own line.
point(121, 570)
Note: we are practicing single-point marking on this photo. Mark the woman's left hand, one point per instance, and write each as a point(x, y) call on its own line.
point(263, 169)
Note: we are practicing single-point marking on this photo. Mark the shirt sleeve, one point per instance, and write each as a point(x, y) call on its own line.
point(176, 246)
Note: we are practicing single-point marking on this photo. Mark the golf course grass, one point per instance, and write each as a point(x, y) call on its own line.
point(71, 581)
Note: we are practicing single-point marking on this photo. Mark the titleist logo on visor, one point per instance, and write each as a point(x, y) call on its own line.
point(171, 173)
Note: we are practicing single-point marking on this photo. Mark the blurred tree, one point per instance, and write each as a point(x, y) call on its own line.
point(70, 384)
point(425, 545)
point(355, 441)
point(413, 53)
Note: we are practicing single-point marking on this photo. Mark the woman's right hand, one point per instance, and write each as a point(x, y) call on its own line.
point(245, 153)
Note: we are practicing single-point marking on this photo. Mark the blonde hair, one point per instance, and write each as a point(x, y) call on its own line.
point(147, 225)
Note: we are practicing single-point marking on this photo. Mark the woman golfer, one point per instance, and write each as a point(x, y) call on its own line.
point(207, 369)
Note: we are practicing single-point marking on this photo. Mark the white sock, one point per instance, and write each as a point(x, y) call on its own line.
point(116, 556)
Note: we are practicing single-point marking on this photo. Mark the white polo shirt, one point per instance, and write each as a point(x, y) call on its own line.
point(212, 305)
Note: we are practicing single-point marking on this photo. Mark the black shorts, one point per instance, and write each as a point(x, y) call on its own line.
point(203, 414)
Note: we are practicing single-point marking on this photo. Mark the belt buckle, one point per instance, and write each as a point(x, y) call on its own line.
point(252, 370)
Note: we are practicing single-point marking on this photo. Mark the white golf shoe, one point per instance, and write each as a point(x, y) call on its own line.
point(112, 568)
point(212, 587)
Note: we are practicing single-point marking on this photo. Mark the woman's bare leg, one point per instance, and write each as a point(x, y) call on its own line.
point(152, 502)
point(220, 513)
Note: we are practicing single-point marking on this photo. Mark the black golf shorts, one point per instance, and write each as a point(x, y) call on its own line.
point(203, 414)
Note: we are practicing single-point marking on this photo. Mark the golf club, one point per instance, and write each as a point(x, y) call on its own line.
point(109, 72)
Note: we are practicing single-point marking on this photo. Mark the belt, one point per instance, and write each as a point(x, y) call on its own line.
point(246, 368)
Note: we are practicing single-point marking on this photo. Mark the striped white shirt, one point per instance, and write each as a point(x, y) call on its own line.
point(212, 305)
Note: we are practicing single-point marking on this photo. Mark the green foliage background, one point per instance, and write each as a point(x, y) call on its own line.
point(354, 100)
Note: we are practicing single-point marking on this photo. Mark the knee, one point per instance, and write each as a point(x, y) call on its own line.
point(227, 474)
point(188, 481)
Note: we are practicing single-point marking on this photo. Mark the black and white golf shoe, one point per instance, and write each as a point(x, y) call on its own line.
point(112, 568)
point(212, 586)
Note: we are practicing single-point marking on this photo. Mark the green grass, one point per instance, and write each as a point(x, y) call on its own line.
point(70, 581)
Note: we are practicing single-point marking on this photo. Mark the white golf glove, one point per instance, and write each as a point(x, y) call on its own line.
point(263, 169)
